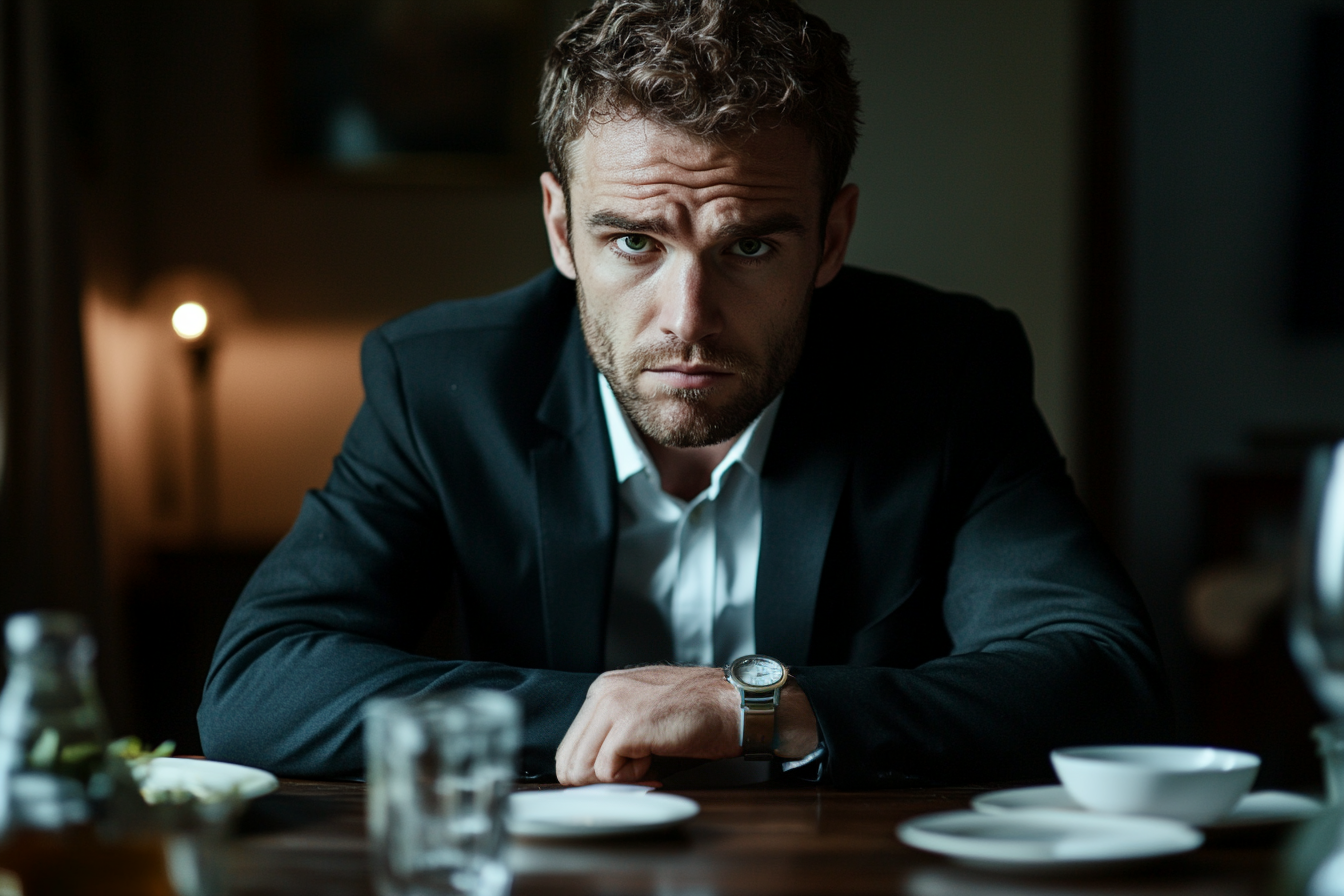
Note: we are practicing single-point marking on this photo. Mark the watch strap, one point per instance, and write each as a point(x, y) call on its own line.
point(758, 725)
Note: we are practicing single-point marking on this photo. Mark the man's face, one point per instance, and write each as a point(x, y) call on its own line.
point(695, 264)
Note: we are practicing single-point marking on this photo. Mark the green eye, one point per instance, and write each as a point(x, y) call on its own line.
point(634, 243)
point(751, 248)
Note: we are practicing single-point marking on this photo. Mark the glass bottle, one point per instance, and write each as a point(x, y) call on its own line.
point(63, 825)
point(52, 727)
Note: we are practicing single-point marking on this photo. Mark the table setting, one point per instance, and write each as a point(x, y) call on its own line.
point(442, 813)
point(437, 822)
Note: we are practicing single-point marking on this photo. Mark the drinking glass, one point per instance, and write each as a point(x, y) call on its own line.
point(438, 771)
point(1317, 625)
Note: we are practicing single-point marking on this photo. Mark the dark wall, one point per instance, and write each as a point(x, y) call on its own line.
point(1218, 93)
point(185, 179)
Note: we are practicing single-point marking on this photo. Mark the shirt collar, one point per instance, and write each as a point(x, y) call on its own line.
point(627, 448)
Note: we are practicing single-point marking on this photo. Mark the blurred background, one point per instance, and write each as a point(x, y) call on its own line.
point(1156, 188)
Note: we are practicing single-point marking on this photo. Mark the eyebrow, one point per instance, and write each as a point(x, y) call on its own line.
point(611, 220)
point(783, 222)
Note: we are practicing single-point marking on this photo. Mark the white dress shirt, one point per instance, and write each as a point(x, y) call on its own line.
point(684, 582)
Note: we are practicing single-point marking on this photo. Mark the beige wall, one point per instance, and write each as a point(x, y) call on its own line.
point(283, 395)
point(966, 164)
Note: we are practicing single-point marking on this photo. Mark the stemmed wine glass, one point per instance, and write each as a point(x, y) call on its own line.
point(1317, 623)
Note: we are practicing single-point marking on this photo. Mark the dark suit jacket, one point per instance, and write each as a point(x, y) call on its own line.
point(925, 567)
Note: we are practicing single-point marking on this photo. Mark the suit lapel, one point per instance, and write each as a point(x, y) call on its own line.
point(576, 500)
point(804, 475)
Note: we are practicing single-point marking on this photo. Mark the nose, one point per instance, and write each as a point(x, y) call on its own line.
point(688, 304)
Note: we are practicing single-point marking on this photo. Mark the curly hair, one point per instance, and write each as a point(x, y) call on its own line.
point(716, 69)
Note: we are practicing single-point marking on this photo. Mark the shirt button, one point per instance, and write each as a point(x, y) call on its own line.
point(696, 513)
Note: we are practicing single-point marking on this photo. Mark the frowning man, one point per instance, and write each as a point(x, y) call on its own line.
point(700, 443)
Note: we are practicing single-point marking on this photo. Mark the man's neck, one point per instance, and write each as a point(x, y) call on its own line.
point(685, 472)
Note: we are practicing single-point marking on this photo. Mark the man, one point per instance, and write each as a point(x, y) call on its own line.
point(699, 439)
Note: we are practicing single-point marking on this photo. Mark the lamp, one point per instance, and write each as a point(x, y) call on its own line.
point(195, 308)
point(191, 323)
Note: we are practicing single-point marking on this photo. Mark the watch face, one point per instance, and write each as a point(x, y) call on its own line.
point(758, 671)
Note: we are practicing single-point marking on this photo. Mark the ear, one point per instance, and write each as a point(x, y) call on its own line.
point(839, 225)
point(556, 216)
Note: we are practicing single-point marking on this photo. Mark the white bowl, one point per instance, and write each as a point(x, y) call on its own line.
point(1197, 785)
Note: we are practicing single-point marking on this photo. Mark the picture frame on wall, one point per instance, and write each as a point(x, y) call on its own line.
point(410, 92)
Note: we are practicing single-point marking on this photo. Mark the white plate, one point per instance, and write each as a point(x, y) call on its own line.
point(597, 811)
point(1262, 807)
point(203, 777)
point(1047, 838)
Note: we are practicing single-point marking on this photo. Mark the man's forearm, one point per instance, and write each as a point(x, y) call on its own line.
point(984, 716)
point(290, 700)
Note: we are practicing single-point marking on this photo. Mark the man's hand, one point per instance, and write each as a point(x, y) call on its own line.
point(632, 715)
point(692, 712)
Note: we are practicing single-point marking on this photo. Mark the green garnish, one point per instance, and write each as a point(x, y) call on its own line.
point(74, 754)
point(45, 749)
point(132, 751)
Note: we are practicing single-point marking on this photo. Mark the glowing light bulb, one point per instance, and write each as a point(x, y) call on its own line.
point(190, 320)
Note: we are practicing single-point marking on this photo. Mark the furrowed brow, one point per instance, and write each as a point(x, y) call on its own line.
point(612, 221)
point(784, 222)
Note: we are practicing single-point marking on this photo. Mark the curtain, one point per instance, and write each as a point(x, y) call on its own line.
point(48, 522)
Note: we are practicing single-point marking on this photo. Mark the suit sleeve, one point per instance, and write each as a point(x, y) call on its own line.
point(330, 617)
point(1051, 645)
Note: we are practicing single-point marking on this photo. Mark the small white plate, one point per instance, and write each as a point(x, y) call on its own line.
point(597, 811)
point(1047, 839)
point(1262, 807)
point(203, 777)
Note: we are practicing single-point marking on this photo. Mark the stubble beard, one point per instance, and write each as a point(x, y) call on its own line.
point(686, 418)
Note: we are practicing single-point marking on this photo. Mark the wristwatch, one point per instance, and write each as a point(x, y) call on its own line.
point(759, 679)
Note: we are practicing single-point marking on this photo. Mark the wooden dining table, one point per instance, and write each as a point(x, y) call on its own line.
point(768, 839)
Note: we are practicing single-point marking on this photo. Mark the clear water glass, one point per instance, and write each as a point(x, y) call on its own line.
point(439, 771)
